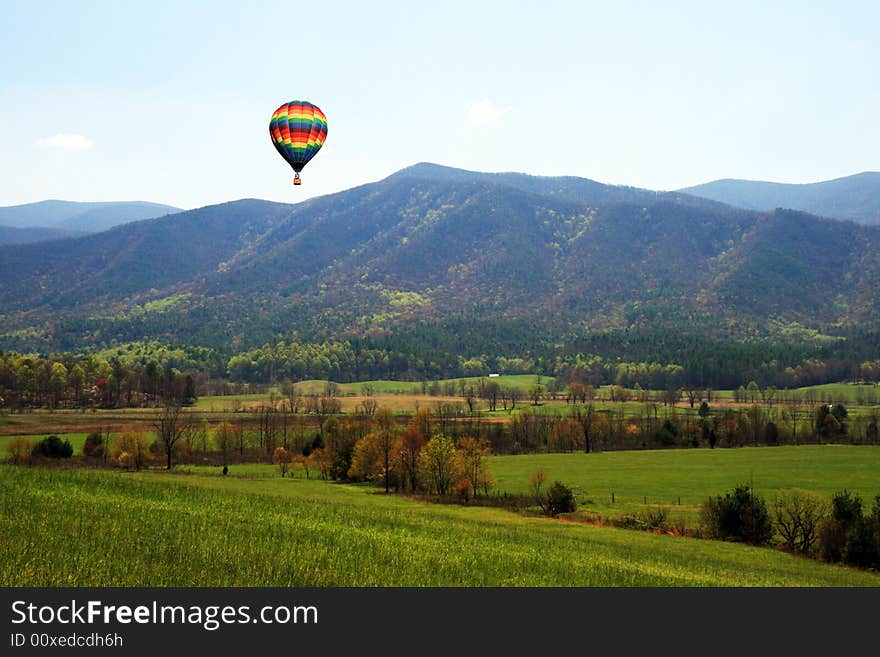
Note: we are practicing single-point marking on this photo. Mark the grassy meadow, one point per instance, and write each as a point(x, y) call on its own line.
point(663, 477)
point(192, 527)
point(109, 528)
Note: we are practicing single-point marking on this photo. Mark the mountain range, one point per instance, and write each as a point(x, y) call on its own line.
point(44, 220)
point(856, 198)
point(530, 255)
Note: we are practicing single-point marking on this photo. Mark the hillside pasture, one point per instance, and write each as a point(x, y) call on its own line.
point(104, 528)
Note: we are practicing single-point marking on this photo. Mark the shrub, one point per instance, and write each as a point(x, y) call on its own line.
point(94, 446)
point(771, 434)
point(560, 499)
point(832, 540)
point(862, 547)
point(131, 450)
point(846, 511)
point(739, 515)
point(667, 435)
point(19, 450)
point(53, 447)
point(654, 518)
point(846, 507)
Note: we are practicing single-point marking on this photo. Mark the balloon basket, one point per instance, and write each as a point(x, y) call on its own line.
point(296, 180)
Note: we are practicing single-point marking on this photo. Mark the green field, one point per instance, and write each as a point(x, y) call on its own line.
point(99, 528)
point(664, 476)
point(77, 440)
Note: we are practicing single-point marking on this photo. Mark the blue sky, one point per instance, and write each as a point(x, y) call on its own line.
point(170, 101)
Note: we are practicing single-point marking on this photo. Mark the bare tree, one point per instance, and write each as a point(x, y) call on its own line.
point(170, 425)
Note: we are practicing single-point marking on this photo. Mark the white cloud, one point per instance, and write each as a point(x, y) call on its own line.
point(67, 142)
point(485, 111)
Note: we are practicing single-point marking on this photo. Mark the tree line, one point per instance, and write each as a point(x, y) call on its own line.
point(71, 381)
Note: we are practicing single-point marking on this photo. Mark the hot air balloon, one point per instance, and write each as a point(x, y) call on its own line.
point(298, 130)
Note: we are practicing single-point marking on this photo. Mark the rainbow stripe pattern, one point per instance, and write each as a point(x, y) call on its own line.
point(298, 130)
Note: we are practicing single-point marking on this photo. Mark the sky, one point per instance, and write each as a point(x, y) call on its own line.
point(170, 101)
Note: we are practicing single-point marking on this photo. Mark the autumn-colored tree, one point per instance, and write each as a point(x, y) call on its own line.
point(535, 393)
point(589, 393)
point(422, 421)
point(473, 457)
point(536, 487)
point(407, 450)
point(367, 462)
point(301, 463)
point(566, 435)
point(131, 449)
point(322, 460)
point(576, 392)
point(618, 393)
point(386, 439)
point(281, 458)
point(438, 465)
point(19, 450)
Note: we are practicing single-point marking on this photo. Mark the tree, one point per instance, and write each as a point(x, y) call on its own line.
point(322, 461)
point(619, 393)
point(491, 390)
point(846, 513)
point(76, 378)
point(771, 433)
point(560, 499)
point(409, 447)
point(366, 460)
point(576, 392)
point(281, 458)
point(565, 436)
point(224, 440)
point(19, 450)
point(54, 448)
point(58, 382)
point(798, 515)
point(131, 449)
point(267, 425)
point(386, 439)
point(739, 515)
point(439, 466)
point(170, 427)
point(475, 465)
point(671, 396)
point(585, 417)
point(753, 391)
point(536, 488)
point(368, 407)
point(535, 393)
point(94, 446)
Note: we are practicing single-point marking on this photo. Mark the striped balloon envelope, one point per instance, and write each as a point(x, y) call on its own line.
point(298, 130)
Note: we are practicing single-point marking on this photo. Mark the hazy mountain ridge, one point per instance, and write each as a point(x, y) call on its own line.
point(855, 198)
point(431, 243)
point(78, 216)
point(15, 235)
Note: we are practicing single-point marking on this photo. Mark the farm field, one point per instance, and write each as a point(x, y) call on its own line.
point(651, 478)
point(107, 528)
point(397, 395)
point(663, 476)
